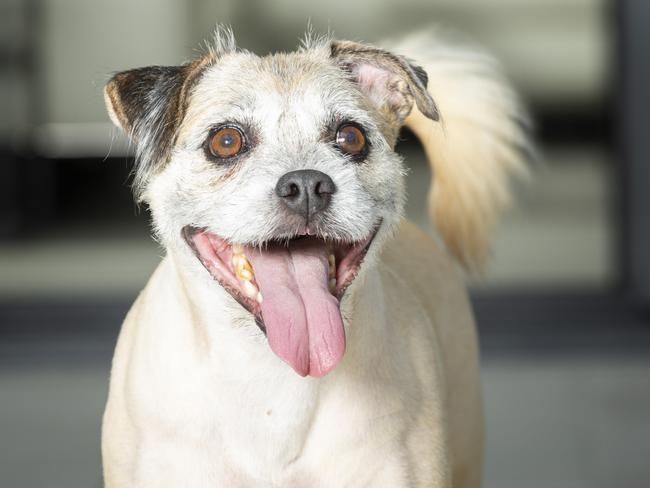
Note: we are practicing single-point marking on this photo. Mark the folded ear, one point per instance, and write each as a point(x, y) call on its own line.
point(149, 105)
point(391, 83)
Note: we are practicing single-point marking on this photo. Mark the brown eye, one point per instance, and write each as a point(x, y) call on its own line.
point(351, 140)
point(226, 142)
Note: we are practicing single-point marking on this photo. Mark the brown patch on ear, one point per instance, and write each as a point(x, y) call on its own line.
point(387, 78)
point(149, 105)
point(132, 95)
point(420, 73)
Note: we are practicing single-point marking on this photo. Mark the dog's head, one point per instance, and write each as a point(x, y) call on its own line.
point(278, 173)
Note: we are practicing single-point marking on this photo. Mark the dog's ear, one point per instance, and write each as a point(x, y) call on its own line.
point(139, 95)
point(149, 105)
point(390, 81)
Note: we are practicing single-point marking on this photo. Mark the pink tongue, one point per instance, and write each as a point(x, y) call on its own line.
point(302, 318)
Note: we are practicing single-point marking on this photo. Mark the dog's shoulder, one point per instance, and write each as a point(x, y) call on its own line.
point(413, 253)
point(429, 274)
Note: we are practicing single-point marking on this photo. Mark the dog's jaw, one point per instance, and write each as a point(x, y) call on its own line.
point(293, 289)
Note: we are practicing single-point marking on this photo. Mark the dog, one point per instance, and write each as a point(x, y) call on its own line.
point(299, 332)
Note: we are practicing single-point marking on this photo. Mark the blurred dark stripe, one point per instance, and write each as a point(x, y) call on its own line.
point(33, 332)
point(634, 121)
point(36, 331)
point(528, 323)
point(43, 317)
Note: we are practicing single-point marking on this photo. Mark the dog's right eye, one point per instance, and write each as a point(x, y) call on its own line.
point(351, 140)
point(226, 142)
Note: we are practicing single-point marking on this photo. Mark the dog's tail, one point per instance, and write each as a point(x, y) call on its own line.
point(480, 142)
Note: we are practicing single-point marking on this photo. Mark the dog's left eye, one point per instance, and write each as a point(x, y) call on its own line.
point(226, 142)
point(350, 139)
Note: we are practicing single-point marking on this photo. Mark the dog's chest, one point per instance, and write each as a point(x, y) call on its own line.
point(301, 435)
point(265, 425)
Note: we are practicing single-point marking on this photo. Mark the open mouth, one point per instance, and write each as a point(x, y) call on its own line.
point(293, 288)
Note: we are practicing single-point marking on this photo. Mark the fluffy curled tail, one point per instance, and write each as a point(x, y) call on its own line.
point(480, 142)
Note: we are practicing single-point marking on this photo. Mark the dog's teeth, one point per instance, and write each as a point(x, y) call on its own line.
point(259, 298)
point(239, 260)
point(250, 290)
point(331, 272)
point(333, 285)
point(243, 268)
point(237, 249)
point(244, 274)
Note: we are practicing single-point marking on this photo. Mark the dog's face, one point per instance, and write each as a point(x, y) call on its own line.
point(278, 173)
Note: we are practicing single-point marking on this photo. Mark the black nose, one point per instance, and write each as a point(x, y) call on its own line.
point(306, 191)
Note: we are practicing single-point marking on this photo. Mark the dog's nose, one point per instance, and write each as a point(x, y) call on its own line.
point(306, 191)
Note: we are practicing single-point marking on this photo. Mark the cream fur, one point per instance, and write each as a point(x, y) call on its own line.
point(198, 399)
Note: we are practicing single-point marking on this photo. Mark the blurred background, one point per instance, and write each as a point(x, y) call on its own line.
point(563, 310)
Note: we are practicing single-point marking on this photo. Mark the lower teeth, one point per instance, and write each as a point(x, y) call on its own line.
point(331, 272)
point(244, 272)
point(250, 290)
